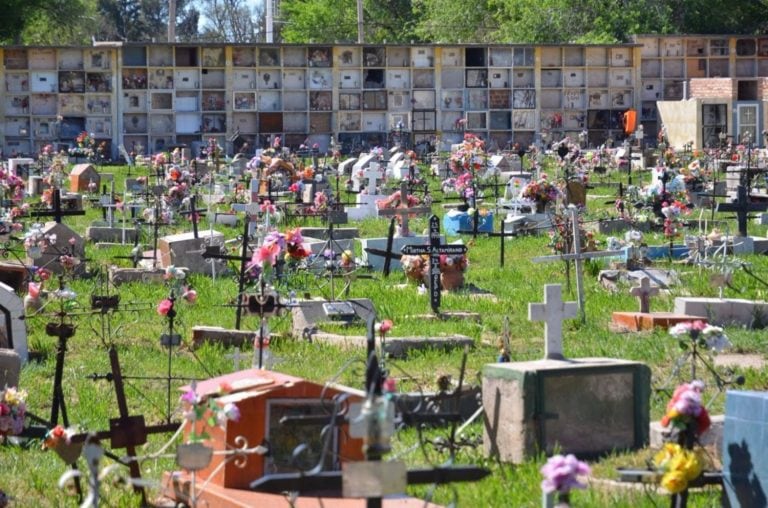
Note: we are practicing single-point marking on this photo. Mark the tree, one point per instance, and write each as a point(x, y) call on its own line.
point(62, 22)
point(304, 21)
point(231, 21)
point(143, 20)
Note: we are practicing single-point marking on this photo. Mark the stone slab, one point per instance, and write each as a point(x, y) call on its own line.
point(223, 218)
point(14, 275)
point(725, 311)
point(712, 438)
point(639, 321)
point(745, 441)
point(309, 314)
point(110, 234)
point(185, 250)
point(225, 337)
point(547, 405)
point(396, 347)
point(317, 245)
point(177, 486)
point(743, 361)
point(119, 276)
point(762, 219)
point(10, 367)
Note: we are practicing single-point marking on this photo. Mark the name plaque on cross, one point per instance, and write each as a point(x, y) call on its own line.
point(434, 249)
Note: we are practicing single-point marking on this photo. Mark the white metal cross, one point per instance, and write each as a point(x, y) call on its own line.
point(578, 257)
point(553, 311)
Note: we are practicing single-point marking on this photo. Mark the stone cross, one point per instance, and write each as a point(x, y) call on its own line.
point(742, 207)
point(578, 256)
point(371, 176)
point(644, 292)
point(107, 204)
point(434, 250)
point(403, 210)
point(553, 311)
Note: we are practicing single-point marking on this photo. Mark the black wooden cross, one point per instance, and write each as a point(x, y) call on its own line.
point(387, 254)
point(434, 250)
point(213, 252)
point(56, 212)
point(136, 254)
point(502, 236)
point(742, 207)
point(193, 214)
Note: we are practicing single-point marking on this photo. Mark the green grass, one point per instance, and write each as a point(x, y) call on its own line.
point(29, 475)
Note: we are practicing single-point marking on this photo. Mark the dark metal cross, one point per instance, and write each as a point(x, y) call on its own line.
point(742, 207)
point(434, 250)
point(387, 253)
point(193, 214)
point(56, 211)
point(502, 236)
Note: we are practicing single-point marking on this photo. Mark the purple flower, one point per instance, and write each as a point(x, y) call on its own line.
point(561, 474)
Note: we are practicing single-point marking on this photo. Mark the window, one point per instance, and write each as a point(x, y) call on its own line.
point(714, 120)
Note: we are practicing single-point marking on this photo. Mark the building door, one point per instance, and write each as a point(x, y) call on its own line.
point(747, 117)
point(714, 124)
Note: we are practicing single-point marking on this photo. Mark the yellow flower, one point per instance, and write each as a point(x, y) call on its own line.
point(666, 454)
point(15, 397)
point(688, 463)
point(674, 481)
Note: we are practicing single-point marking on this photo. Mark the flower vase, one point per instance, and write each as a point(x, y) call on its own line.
point(451, 279)
point(193, 456)
point(556, 500)
point(69, 452)
point(541, 206)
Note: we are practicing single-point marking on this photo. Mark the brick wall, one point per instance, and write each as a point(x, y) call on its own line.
point(712, 88)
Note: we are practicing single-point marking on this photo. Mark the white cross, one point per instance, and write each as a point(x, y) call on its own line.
point(644, 291)
point(553, 311)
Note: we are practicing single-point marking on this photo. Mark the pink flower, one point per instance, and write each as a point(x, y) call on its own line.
point(560, 474)
point(190, 295)
point(384, 327)
point(266, 253)
point(390, 385)
point(190, 397)
point(34, 289)
point(164, 307)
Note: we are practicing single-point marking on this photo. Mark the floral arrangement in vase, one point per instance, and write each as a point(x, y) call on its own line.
point(469, 155)
point(677, 461)
point(561, 475)
point(701, 334)
point(59, 439)
point(13, 410)
point(541, 191)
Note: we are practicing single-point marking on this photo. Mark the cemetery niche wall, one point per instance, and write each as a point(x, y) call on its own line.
point(127, 95)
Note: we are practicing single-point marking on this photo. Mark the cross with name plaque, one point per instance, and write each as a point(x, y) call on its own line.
point(434, 249)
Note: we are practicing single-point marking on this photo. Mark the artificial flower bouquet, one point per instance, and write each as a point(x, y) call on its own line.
point(542, 190)
point(13, 410)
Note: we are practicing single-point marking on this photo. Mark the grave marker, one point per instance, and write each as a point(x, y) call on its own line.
point(578, 257)
point(742, 207)
point(643, 292)
point(56, 211)
point(553, 311)
point(434, 249)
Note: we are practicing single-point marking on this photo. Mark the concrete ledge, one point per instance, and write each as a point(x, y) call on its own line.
point(396, 347)
point(223, 336)
point(639, 321)
point(119, 276)
point(725, 311)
